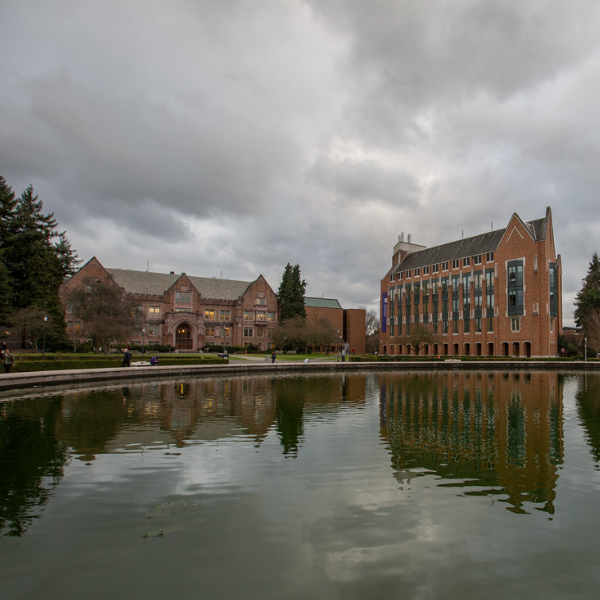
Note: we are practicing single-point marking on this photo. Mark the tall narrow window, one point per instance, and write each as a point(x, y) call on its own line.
point(515, 287)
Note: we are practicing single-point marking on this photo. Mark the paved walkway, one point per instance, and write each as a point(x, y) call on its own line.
point(70, 378)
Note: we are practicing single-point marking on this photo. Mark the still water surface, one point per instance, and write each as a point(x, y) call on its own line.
point(409, 486)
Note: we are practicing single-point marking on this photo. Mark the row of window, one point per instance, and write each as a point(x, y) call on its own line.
point(211, 314)
point(186, 298)
point(456, 264)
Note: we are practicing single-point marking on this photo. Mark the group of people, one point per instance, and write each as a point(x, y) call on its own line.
point(6, 358)
point(127, 358)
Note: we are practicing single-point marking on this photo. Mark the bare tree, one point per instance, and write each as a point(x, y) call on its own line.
point(420, 335)
point(106, 313)
point(321, 332)
point(372, 327)
point(291, 333)
point(593, 329)
point(32, 325)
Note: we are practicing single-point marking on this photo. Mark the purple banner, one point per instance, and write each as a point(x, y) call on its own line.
point(384, 311)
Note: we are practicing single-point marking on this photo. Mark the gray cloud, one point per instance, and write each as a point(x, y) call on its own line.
point(235, 137)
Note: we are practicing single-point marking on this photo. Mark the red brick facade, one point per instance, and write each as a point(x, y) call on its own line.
point(497, 294)
point(350, 323)
point(187, 312)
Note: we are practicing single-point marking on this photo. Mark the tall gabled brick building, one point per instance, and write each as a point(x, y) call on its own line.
point(494, 294)
point(187, 312)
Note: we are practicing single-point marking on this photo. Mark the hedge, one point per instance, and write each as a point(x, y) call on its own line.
point(26, 366)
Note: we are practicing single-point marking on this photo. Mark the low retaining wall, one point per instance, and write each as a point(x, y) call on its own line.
point(12, 381)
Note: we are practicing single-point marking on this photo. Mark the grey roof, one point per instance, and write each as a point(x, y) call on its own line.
point(538, 228)
point(144, 282)
point(478, 244)
point(322, 303)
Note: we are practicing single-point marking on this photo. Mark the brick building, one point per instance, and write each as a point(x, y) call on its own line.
point(187, 312)
point(350, 323)
point(494, 294)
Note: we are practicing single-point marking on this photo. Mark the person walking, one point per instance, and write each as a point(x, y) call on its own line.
point(273, 357)
point(9, 361)
point(126, 358)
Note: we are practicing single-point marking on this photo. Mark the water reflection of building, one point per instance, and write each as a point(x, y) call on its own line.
point(489, 433)
point(175, 413)
point(588, 409)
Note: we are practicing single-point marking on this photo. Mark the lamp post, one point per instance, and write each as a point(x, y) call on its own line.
point(44, 345)
point(585, 351)
point(143, 338)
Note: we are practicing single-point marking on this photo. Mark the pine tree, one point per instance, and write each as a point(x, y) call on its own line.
point(291, 293)
point(5, 292)
point(588, 297)
point(35, 259)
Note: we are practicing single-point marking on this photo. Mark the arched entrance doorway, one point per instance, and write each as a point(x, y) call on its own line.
point(183, 337)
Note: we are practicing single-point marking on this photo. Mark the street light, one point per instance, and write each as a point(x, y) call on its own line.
point(44, 346)
point(143, 338)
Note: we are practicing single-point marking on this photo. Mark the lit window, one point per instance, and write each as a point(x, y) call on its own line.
point(180, 310)
point(210, 331)
point(224, 315)
point(261, 315)
point(209, 314)
point(154, 311)
point(248, 315)
point(271, 316)
point(226, 331)
point(260, 301)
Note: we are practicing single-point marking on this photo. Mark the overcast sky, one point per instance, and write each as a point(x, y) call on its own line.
point(228, 138)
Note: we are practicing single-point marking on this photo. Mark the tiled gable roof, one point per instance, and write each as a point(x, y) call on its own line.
point(156, 284)
point(479, 244)
point(322, 303)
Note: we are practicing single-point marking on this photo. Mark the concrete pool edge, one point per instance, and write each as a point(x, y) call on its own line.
point(12, 381)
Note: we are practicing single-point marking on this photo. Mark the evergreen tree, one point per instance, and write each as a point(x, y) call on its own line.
point(588, 297)
point(291, 294)
point(35, 259)
point(5, 292)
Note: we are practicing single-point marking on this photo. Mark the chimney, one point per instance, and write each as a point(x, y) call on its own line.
point(409, 236)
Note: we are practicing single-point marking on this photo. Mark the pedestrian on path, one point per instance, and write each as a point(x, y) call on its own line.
point(126, 358)
point(9, 361)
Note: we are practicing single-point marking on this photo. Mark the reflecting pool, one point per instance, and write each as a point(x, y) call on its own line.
point(342, 486)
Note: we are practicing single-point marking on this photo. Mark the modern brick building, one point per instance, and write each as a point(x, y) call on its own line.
point(349, 322)
point(494, 294)
point(187, 312)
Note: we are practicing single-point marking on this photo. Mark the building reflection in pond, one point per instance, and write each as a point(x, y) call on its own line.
point(588, 410)
point(497, 434)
